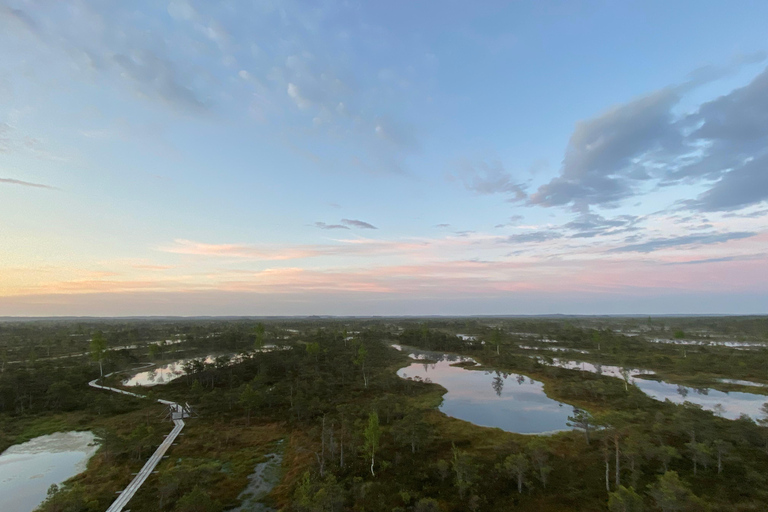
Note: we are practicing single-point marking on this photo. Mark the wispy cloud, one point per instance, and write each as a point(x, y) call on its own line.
point(20, 18)
point(359, 247)
point(534, 237)
point(706, 260)
point(181, 246)
point(323, 225)
point(488, 177)
point(665, 243)
point(513, 221)
point(152, 267)
point(588, 225)
point(84, 36)
point(358, 224)
point(12, 181)
point(467, 278)
point(155, 75)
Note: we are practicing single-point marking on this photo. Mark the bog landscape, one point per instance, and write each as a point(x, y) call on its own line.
point(383, 256)
point(318, 414)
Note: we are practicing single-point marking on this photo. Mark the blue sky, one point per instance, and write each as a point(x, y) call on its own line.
point(383, 157)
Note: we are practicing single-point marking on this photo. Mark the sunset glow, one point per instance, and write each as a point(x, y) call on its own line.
point(254, 158)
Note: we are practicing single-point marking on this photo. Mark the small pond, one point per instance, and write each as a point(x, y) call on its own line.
point(554, 349)
point(508, 401)
point(742, 345)
point(739, 382)
point(263, 479)
point(161, 374)
point(27, 470)
point(730, 405)
point(164, 373)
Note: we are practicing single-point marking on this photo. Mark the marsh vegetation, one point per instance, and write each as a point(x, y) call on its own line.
point(451, 423)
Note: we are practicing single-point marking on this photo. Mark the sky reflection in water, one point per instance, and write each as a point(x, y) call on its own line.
point(28, 469)
point(523, 407)
point(161, 374)
point(729, 405)
point(510, 402)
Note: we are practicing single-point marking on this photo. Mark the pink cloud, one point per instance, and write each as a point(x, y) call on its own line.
point(417, 268)
point(238, 251)
point(460, 277)
point(361, 247)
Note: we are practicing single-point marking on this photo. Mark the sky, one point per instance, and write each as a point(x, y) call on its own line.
point(383, 158)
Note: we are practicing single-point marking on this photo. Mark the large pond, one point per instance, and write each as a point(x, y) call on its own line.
point(730, 405)
point(27, 470)
point(508, 401)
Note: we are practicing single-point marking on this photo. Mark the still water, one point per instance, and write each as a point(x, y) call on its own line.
point(507, 401)
point(27, 470)
point(711, 343)
point(161, 374)
point(743, 383)
point(165, 373)
point(729, 405)
point(266, 475)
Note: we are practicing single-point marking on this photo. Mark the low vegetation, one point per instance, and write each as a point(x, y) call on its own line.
point(355, 436)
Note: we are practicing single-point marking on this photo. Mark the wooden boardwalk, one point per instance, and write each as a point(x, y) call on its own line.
point(177, 415)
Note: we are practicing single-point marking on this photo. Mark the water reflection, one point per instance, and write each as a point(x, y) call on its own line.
point(743, 383)
point(498, 384)
point(489, 399)
point(263, 479)
point(163, 373)
point(27, 470)
point(729, 405)
point(711, 343)
point(554, 349)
